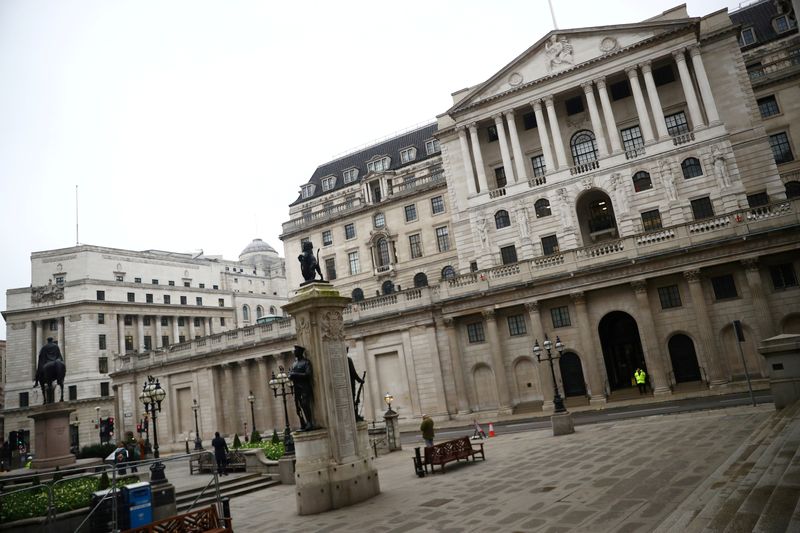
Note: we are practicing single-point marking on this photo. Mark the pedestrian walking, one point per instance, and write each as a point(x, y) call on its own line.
point(220, 453)
point(427, 430)
point(640, 376)
point(120, 458)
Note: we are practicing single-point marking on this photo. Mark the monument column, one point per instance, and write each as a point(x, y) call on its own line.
point(228, 401)
point(537, 333)
point(649, 338)
point(192, 331)
point(61, 336)
point(457, 364)
point(469, 175)
point(641, 107)
point(37, 342)
point(715, 374)
point(705, 88)
point(500, 377)
point(140, 333)
point(596, 379)
point(597, 126)
point(516, 148)
point(655, 101)
point(262, 391)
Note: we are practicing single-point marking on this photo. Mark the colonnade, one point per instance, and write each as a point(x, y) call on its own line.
point(204, 327)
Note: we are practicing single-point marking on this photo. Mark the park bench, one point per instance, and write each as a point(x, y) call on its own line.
point(205, 463)
point(206, 519)
point(451, 450)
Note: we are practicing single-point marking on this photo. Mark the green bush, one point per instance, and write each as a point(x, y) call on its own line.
point(275, 438)
point(255, 436)
point(273, 450)
point(236, 442)
point(104, 482)
point(96, 450)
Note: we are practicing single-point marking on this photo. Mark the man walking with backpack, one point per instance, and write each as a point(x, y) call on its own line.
point(220, 452)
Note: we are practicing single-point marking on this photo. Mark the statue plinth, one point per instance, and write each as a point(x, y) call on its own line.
point(51, 431)
point(334, 465)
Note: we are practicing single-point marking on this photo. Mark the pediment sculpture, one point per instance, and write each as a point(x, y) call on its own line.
point(47, 293)
point(559, 53)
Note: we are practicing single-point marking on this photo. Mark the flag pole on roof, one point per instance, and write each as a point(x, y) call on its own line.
point(552, 14)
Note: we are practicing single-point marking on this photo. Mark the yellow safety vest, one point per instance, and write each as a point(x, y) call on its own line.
point(640, 375)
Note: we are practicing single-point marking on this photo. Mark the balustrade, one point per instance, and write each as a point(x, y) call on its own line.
point(634, 153)
point(496, 193)
point(537, 181)
point(683, 138)
point(584, 167)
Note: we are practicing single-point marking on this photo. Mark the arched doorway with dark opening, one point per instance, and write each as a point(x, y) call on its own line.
point(572, 374)
point(596, 217)
point(622, 348)
point(685, 367)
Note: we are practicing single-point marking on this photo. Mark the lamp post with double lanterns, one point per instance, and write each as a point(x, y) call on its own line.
point(198, 442)
point(152, 395)
point(280, 382)
point(561, 419)
point(252, 399)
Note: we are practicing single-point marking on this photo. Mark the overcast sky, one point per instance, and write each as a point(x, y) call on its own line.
point(191, 125)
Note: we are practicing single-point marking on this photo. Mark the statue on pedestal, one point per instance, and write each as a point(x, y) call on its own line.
point(309, 265)
point(51, 368)
point(301, 377)
point(353, 378)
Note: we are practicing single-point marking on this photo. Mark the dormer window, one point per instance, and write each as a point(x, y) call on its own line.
point(782, 23)
point(432, 146)
point(308, 190)
point(748, 36)
point(407, 155)
point(379, 165)
point(328, 183)
point(350, 175)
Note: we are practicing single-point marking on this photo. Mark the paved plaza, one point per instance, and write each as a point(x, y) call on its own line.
point(618, 476)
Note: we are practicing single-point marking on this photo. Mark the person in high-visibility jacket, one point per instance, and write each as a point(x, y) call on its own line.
point(641, 380)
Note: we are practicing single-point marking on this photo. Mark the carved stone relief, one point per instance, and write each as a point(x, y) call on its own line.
point(559, 53)
point(47, 293)
point(608, 45)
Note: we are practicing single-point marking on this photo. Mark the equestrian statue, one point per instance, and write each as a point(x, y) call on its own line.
point(51, 369)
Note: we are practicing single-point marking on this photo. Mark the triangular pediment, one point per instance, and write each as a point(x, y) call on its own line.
point(564, 50)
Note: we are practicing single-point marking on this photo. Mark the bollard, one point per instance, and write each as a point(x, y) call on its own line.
point(418, 464)
point(187, 446)
point(226, 511)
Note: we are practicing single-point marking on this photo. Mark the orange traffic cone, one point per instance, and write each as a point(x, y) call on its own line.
point(491, 429)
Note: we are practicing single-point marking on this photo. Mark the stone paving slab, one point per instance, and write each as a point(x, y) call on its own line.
point(617, 476)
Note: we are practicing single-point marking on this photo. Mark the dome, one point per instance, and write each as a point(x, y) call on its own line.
point(257, 247)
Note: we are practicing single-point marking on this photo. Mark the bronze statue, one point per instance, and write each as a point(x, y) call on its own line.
point(301, 377)
point(353, 378)
point(309, 266)
point(51, 368)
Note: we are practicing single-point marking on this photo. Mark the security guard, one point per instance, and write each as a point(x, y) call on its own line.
point(641, 380)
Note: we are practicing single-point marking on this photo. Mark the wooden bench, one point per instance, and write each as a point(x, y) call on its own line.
point(205, 519)
point(452, 450)
point(205, 463)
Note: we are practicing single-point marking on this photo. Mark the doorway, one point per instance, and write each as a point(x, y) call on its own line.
point(684, 359)
point(622, 348)
point(572, 374)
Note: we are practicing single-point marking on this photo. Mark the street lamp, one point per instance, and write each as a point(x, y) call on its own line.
point(558, 403)
point(152, 395)
point(280, 382)
point(198, 442)
point(392, 428)
point(388, 398)
point(252, 400)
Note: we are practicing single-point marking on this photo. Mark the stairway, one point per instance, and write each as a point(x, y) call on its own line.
point(756, 489)
point(227, 487)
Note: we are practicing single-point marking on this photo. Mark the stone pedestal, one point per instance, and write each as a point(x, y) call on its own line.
point(286, 469)
point(333, 467)
point(562, 424)
point(783, 360)
point(51, 430)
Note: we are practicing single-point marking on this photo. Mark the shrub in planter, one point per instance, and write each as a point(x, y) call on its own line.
point(236, 442)
point(275, 438)
point(255, 436)
point(273, 451)
point(104, 482)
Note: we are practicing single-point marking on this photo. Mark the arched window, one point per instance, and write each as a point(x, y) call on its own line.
point(792, 189)
point(448, 272)
point(357, 295)
point(273, 310)
point(246, 313)
point(501, 219)
point(642, 181)
point(542, 208)
point(691, 168)
point(584, 147)
point(387, 287)
point(259, 311)
point(383, 252)
point(420, 280)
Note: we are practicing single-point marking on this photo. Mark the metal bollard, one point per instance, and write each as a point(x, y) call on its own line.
point(226, 511)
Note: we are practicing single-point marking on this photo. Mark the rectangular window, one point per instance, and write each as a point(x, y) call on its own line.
point(167, 299)
point(768, 106)
point(102, 365)
point(670, 296)
point(199, 300)
point(203, 285)
point(747, 37)
point(104, 388)
point(757, 199)
point(416, 246)
point(215, 287)
point(148, 343)
point(560, 316)
point(529, 120)
point(155, 282)
point(724, 287)
point(442, 239)
point(475, 332)
point(148, 298)
point(128, 320)
point(516, 325)
point(352, 259)
point(53, 325)
point(702, 208)
point(72, 392)
point(183, 300)
point(350, 175)
point(128, 343)
point(676, 123)
point(663, 75)
point(620, 90)
point(164, 321)
point(60, 280)
point(196, 322)
point(491, 134)
point(101, 342)
point(137, 280)
point(550, 245)
point(181, 338)
point(23, 399)
point(164, 340)
point(473, 266)
point(407, 155)
point(411, 212)
point(172, 283)
point(500, 177)
point(539, 166)
point(632, 138)
point(651, 220)
point(131, 297)
point(101, 295)
point(222, 321)
point(783, 276)
point(437, 205)
point(574, 105)
point(181, 322)
point(119, 277)
point(101, 318)
point(349, 231)
point(221, 302)
point(328, 183)
point(508, 254)
point(432, 146)
point(187, 283)
point(330, 268)
point(781, 148)
point(327, 238)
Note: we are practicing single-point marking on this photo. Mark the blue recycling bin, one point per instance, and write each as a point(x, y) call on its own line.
point(137, 505)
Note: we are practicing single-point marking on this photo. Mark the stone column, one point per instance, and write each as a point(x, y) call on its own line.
point(655, 101)
point(537, 333)
point(519, 160)
point(608, 114)
point(649, 337)
point(37, 343)
point(205, 325)
point(558, 142)
point(140, 333)
point(240, 392)
point(175, 333)
point(457, 366)
point(158, 344)
point(714, 369)
point(370, 392)
point(498, 364)
point(688, 90)
point(476, 153)
point(210, 325)
point(705, 88)
point(229, 401)
point(192, 331)
point(596, 370)
point(504, 153)
point(641, 107)
point(766, 326)
point(544, 139)
point(469, 175)
point(264, 415)
point(121, 333)
point(597, 125)
point(62, 323)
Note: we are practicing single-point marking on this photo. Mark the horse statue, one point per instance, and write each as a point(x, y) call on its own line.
point(51, 369)
point(309, 265)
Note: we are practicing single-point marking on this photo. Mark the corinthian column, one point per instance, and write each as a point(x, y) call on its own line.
point(476, 153)
point(558, 142)
point(641, 107)
point(497, 360)
point(469, 175)
point(655, 101)
point(597, 126)
point(519, 161)
point(652, 353)
point(504, 153)
point(608, 115)
point(766, 325)
point(157, 319)
point(544, 139)
point(688, 90)
point(705, 87)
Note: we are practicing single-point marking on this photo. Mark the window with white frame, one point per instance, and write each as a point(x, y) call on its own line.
point(379, 165)
point(676, 123)
point(747, 37)
point(432, 146)
point(407, 155)
point(352, 260)
point(442, 239)
point(782, 23)
point(539, 167)
point(308, 190)
point(328, 183)
point(327, 238)
point(632, 138)
point(437, 205)
point(379, 220)
point(350, 175)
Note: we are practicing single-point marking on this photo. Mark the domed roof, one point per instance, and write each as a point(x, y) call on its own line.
point(258, 247)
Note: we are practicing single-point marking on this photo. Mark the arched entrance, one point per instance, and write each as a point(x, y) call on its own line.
point(596, 217)
point(572, 374)
point(527, 382)
point(485, 388)
point(684, 359)
point(622, 348)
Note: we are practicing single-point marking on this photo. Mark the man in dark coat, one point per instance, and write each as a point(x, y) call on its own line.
point(49, 352)
point(220, 452)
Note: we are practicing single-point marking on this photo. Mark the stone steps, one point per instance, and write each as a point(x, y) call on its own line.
point(231, 488)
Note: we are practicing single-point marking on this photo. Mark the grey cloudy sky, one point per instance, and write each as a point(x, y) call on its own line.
point(192, 124)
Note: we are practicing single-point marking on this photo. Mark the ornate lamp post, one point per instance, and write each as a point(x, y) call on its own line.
point(558, 403)
point(252, 400)
point(392, 428)
point(198, 442)
point(152, 395)
point(280, 382)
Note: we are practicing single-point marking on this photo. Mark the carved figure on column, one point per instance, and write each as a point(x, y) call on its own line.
point(301, 376)
point(559, 52)
point(720, 167)
point(668, 179)
point(51, 368)
point(618, 188)
point(309, 265)
point(481, 226)
point(566, 209)
point(522, 220)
